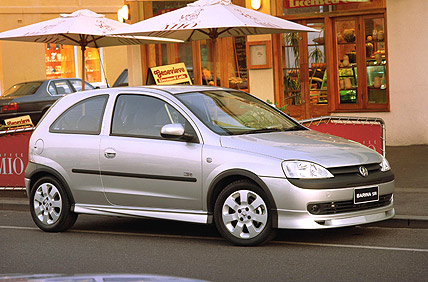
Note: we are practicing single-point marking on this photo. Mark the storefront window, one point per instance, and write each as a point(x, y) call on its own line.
point(185, 56)
point(347, 61)
point(237, 68)
point(207, 63)
point(92, 64)
point(376, 61)
point(292, 90)
point(317, 64)
point(59, 61)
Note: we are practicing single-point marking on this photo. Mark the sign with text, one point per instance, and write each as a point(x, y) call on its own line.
point(13, 158)
point(313, 3)
point(18, 121)
point(169, 74)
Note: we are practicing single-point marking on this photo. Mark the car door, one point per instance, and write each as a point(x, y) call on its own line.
point(139, 168)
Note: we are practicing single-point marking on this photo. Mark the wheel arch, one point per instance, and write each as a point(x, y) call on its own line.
point(42, 171)
point(227, 177)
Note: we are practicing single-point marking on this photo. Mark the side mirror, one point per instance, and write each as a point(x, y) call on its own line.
point(175, 131)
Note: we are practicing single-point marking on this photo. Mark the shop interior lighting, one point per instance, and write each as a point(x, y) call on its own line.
point(256, 4)
point(123, 14)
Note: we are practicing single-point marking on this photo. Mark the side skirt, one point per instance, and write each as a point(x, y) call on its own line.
point(178, 215)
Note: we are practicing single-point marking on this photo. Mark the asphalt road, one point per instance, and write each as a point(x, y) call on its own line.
point(116, 245)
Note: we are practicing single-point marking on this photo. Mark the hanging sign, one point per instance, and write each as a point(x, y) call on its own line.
point(313, 3)
point(169, 74)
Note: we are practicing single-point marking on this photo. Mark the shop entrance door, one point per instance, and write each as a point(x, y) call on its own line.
point(305, 72)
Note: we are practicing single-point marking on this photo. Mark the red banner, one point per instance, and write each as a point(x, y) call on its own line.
point(313, 3)
point(366, 134)
point(13, 158)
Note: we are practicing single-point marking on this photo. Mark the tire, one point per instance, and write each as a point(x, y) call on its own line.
point(50, 206)
point(242, 214)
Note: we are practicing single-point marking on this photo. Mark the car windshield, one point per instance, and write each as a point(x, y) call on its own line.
point(234, 113)
point(22, 89)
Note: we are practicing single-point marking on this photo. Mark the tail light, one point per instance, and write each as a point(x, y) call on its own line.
point(11, 107)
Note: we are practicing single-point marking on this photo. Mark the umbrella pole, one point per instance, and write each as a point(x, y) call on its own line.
point(214, 46)
point(83, 67)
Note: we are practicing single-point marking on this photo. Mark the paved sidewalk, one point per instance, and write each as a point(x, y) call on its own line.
point(409, 164)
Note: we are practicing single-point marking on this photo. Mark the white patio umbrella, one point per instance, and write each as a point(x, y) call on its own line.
point(82, 28)
point(211, 19)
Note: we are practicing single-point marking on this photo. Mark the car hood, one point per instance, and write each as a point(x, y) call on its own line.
point(309, 145)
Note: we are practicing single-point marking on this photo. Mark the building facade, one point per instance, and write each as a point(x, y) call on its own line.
point(365, 61)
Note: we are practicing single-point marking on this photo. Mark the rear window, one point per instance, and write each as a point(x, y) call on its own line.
point(22, 89)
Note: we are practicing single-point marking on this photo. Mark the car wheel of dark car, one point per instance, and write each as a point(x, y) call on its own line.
point(242, 214)
point(50, 206)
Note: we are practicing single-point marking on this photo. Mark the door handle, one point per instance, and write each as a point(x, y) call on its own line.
point(109, 153)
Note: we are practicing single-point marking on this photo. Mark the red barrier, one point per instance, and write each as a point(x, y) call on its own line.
point(13, 158)
point(367, 131)
point(369, 135)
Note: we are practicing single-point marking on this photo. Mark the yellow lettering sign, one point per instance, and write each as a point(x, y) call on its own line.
point(171, 74)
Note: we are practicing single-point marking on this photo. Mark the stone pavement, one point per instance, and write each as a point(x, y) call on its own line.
point(409, 163)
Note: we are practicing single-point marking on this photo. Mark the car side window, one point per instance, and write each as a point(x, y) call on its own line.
point(52, 89)
point(85, 117)
point(144, 116)
point(77, 84)
point(59, 87)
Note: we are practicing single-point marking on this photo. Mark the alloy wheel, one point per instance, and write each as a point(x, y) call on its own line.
point(47, 203)
point(244, 214)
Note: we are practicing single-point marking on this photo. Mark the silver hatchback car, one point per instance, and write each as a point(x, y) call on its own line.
point(199, 154)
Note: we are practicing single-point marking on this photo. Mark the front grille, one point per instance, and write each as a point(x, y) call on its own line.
point(347, 206)
point(349, 170)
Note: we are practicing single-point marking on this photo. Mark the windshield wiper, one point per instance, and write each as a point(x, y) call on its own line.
point(295, 128)
point(260, 130)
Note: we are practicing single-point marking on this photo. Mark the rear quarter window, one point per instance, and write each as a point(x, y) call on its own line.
point(84, 117)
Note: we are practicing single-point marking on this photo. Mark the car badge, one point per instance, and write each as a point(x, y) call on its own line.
point(363, 171)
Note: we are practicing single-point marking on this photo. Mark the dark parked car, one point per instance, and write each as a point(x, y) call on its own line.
point(35, 97)
point(122, 79)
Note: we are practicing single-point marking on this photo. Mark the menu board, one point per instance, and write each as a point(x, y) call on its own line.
point(241, 56)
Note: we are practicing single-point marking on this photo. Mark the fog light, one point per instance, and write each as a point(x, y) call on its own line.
point(314, 208)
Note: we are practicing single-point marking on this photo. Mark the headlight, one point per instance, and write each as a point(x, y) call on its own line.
point(303, 169)
point(384, 165)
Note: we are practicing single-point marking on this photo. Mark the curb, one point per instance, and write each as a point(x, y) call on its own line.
point(404, 221)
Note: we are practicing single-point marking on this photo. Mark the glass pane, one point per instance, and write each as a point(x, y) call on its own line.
point(77, 84)
point(186, 57)
point(292, 69)
point(317, 65)
point(84, 117)
point(62, 87)
point(59, 61)
point(92, 65)
point(237, 69)
point(347, 59)
point(207, 62)
point(144, 116)
point(376, 61)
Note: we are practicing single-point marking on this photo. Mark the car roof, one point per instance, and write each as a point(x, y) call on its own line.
point(176, 89)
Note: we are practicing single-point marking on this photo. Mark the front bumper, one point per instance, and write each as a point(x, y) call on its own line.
point(291, 203)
